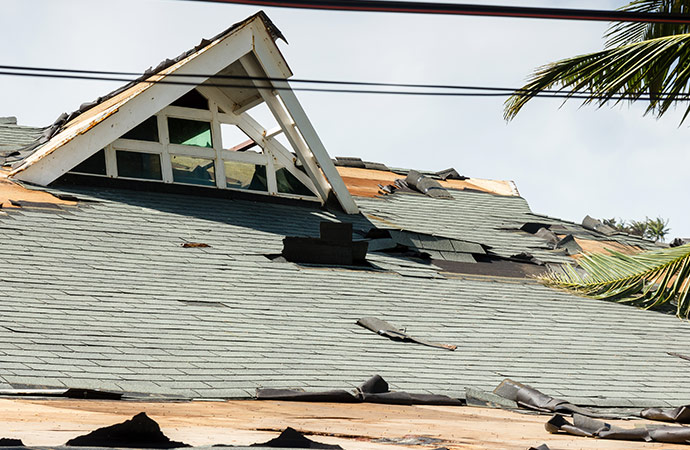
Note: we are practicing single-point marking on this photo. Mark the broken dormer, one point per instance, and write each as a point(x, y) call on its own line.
point(191, 121)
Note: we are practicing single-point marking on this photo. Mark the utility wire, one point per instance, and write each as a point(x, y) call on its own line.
point(484, 91)
point(290, 80)
point(416, 7)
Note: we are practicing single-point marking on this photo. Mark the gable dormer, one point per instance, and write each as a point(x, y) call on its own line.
point(202, 120)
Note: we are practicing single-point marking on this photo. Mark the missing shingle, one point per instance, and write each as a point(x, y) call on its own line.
point(195, 245)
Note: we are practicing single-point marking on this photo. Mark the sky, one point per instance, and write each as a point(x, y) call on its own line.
point(567, 160)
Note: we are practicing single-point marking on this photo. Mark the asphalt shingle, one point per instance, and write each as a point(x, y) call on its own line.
point(106, 297)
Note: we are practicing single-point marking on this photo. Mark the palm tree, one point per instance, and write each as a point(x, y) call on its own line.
point(641, 62)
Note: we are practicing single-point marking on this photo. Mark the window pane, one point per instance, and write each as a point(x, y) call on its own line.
point(239, 175)
point(192, 99)
point(94, 164)
point(289, 184)
point(138, 165)
point(189, 132)
point(187, 169)
point(145, 131)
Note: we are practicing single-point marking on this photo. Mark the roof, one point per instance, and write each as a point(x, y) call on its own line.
point(190, 294)
point(364, 426)
point(14, 138)
point(103, 295)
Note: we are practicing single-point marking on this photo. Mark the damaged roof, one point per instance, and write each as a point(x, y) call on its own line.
point(104, 295)
point(14, 139)
point(133, 287)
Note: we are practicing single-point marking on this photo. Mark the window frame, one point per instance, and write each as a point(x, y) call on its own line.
point(217, 153)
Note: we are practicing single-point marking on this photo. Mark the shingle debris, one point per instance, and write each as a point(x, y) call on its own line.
point(138, 432)
point(677, 415)
point(383, 328)
point(426, 185)
point(596, 225)
point(374, 390)
point(588, 427)
point(291, 438)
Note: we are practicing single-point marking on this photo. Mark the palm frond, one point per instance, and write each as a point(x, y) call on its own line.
point(658, 68)
point(623, 33)
point(647, 279)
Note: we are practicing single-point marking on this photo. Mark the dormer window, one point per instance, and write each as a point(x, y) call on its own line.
point(160, 129)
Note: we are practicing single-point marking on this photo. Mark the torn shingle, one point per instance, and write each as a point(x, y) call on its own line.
point(426, 185)
point(570, 245)
point(384, 328)
point(138, 432)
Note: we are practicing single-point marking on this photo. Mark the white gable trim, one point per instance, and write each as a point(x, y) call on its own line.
point(97, 129)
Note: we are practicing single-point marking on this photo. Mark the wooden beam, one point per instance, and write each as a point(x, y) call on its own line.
point(286, 124)
point(274, 66)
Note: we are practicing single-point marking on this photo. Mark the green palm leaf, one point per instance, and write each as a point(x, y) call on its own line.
point(648, 279)
point(623, 33)
point(659, 68)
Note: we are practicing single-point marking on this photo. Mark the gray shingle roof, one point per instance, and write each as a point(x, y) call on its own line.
point(103, 296)
point(15, 137)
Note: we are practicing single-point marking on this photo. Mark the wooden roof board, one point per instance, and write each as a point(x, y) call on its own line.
point(365, 182)
point(352, 426)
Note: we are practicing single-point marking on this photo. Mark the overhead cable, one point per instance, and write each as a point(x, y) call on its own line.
point(416, 7)
point(282, 84)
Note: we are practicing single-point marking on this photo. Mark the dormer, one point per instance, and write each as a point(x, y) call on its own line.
point(220, 116)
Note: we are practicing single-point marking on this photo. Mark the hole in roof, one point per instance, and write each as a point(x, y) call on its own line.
point(262, 114)
point(145, 131)
point(235, 139)
point(533, 227)
point(192, 99)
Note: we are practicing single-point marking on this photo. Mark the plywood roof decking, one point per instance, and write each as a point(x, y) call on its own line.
point(352, 426)
point(365, 182)
point(10, 190)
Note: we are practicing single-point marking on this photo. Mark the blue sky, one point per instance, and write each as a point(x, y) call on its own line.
point(567, 161)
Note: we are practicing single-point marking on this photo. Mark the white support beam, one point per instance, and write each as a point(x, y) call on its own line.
point(274, 66)
point(80, 141)
point(286, 124)
point(163, 137)
point(258, 134)
point(217, 140)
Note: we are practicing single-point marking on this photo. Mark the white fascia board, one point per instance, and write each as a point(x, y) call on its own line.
point(273, 64)
point(43, 169)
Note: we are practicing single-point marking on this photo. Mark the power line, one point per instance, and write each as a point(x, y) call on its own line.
point(290, 80)
point(91, 75)
point(466, 10)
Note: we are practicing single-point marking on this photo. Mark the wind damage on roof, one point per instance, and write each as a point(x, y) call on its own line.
point(16, 141)
point(69, 125)
point(370, 181)
point(14, 195)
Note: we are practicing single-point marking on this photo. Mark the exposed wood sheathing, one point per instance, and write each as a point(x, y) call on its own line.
point(593, 246)
point(353, 426)
point(13, 191)
point(365, 182)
